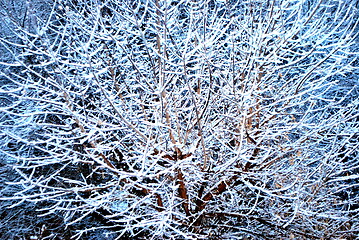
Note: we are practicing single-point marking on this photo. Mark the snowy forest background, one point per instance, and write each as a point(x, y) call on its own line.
point(192, 119)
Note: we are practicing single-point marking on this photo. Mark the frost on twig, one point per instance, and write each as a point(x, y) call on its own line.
point(186, 119)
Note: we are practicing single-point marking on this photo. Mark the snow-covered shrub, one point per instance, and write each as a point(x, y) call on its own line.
point(187, 119)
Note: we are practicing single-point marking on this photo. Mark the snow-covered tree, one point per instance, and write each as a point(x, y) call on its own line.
point(186, 119)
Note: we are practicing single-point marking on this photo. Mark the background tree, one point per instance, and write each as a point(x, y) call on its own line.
point(186, 119)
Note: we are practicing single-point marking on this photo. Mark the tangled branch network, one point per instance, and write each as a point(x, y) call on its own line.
point(185, 119)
